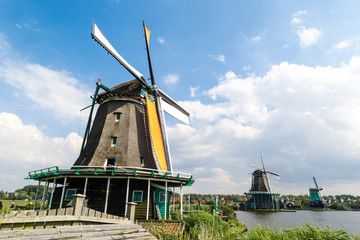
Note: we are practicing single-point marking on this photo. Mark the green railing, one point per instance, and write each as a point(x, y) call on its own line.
point(109, 170)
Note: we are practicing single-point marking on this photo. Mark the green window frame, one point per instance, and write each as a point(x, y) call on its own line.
point(137, 196)
point(69, 194)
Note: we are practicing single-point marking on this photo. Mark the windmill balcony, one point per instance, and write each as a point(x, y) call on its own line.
point(43, 174)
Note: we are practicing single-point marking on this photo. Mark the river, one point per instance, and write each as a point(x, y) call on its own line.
point(347, 220)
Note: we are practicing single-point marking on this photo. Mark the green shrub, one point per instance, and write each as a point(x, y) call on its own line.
point(227, 210)
point(202, 225)
point(339, 206)
point(175, 215)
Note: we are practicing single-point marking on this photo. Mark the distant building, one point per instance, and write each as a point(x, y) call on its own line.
point(293, 205)
point(227, 202)
point(199, 202)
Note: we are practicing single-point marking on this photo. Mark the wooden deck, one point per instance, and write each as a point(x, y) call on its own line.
point(108, 231)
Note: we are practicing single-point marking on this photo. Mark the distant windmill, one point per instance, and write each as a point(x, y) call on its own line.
point(260, 193)
point(260, 180)
point(315, 196)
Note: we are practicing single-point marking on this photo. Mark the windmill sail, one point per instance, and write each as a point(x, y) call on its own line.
point(156, 134)
point(101, 39)
point(174, 109)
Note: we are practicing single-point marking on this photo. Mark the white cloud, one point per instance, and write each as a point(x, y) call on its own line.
point(25, 147)
point(343, 44)
point(217, 180)
point(161, 40)
point(219, 58)
point(308, 36)
point(259, 37)
point(33, 26)
point(296, 20)
point(50, 89)
point(4, 45)
point(247, 68)
point(256, 39)
point(305, 120)
point(299, 13)
point(296, 17)
point(171, 79)
point(193, 91)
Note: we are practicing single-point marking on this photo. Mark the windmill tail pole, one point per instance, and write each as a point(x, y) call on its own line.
point(147, 40)
point(87, 130)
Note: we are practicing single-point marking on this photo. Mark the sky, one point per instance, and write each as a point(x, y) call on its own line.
point(271, 76)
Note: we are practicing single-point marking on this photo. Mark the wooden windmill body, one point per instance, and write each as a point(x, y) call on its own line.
point(316, 200)
point(260, 195)
point(125, 155)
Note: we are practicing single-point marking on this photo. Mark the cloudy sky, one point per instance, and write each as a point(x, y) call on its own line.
point(278, 77)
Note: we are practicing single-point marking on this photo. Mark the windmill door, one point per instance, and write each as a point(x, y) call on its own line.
point(159, 199)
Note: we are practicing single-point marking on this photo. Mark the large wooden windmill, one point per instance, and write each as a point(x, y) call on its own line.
point(125, 154)
point(260, 195)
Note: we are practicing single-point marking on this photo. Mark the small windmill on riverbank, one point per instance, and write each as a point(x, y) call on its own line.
point(125, 154)
point(260, 195)
point(315, 196)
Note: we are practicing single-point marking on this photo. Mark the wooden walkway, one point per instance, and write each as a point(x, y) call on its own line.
point(92, 232)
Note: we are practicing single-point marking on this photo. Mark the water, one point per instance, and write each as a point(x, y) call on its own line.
point(347, 220)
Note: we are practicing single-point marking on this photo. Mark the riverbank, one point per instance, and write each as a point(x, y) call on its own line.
point(204, 226)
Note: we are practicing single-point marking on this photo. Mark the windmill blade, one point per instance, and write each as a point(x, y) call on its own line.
point(316, 183)
point(101, 39)
point(262, 160)
point(274, 174)
point(253, 166)
point(173, 109)
point(85, 108)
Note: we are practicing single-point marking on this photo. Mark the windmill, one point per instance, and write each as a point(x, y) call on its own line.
point(315, 197)
point(156, 101)
point(125, 155)
point(260, 193)
point(260, 180)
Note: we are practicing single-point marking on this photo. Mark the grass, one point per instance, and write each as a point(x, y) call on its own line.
point(203, 226)
point(300, 232)
point(6, 205)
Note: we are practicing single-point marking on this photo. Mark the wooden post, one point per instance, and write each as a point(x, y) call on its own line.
point(85, 186)
point(127, 196)
point(181, 200)
point(62, 194)
point(43, 196)
point(189, 201)
point(165, 215)
point(52, 193)
point(107, 195)
point(148, 201)
point(174, 196)
point(36, 195)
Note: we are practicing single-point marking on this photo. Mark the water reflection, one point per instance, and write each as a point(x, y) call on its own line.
point(348, 220)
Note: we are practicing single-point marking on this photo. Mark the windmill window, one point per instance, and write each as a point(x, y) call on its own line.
point(142, 161)
point(137, 196)
point(69, 194)
point(117, 117)
point(113, 142)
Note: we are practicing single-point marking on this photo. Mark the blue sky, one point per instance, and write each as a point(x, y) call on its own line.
point(276, 77)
